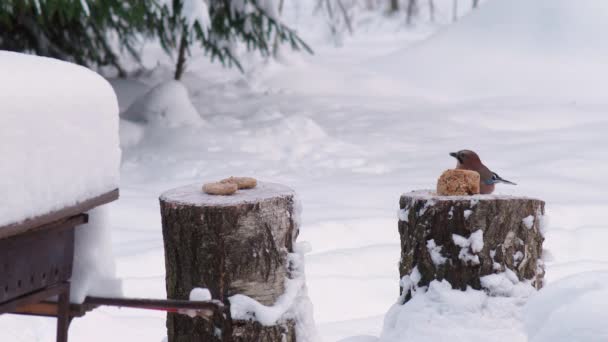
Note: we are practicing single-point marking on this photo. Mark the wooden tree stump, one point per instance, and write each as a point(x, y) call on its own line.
point(235, 244)
point(463, 238)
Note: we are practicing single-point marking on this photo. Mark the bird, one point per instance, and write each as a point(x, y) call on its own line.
point(469, 160)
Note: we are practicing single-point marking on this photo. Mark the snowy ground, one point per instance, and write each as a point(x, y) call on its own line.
point(350, 137)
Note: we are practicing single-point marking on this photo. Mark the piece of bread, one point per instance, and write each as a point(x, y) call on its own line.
point(220, 188)
point(458, 183)
point(241, 182)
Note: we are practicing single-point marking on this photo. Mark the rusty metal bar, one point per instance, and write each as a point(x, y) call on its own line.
point(53, 290)
point(203, 309)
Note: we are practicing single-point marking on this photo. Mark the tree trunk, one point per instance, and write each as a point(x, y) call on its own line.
point(181, 55)
point(432, 10)
point(231, 245)
point(394, 6)
point(475, 3)
point(455, 11)
point(441, 236)
point(411, 10)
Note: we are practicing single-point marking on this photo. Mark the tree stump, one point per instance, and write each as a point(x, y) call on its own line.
point(463, 238)
point(231, 245)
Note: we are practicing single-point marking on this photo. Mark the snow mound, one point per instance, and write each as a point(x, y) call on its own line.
point(571, 309)
point(58, 136)
point(131, 133)
point(440, 313)
point(546, 48)
point(200, 294)
point(167, 104)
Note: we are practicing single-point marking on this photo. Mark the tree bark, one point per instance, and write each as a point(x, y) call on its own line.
point(512, 238)
point(394, 6)
point(181, 55)
point(231, 245)
point(410, 11)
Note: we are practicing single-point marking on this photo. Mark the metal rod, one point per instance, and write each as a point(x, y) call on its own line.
point(168, 305)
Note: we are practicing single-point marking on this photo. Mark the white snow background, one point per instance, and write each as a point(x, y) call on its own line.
point(522, 82)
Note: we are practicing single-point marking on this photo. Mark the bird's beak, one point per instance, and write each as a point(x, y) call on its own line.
point(455, 155)
point(500, 180)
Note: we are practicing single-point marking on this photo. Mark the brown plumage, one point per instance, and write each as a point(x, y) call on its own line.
point(469, 160)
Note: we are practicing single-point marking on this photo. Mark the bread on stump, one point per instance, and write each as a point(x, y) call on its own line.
point(224, 189)
point(241, 182)
point(458, 183)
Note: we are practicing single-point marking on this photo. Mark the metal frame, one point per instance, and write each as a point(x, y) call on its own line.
point(36, 256)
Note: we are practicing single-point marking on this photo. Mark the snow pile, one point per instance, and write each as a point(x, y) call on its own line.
point(506, 284)
point(58, 136)
point(435, 252)
point(528, 221)
point(94, 271)
point(571, 309)
point(293, 304)
point(167, 104)
point(200, 294)
point(469, 247)
point(554, 47)
point(440, 313)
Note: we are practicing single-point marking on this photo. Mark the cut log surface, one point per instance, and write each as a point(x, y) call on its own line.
point(236, 244)
point(463, 238)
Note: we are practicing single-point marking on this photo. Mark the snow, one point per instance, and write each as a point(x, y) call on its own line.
point(469, 246)
point(552, 47)
point(571, 309)
point(58, 136)
point(476, 240)
point(506, 284)
point(167, 104)
point(440, 313)
point(94, 269)
point(431, 197)
point(293, 304)
point(59, 141)
point(200, 294)
point(349, 135)
point(403, 214)
point(435, 252)
point(196, 11)
point(528, 221)
point(410, 282)
point(193, 193)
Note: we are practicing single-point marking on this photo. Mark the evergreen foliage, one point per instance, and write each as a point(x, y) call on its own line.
point(90, 33)
point(96, 33)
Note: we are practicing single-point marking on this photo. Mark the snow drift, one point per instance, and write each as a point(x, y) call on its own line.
point(546, 48)
point(167, 104)
point(571, 309)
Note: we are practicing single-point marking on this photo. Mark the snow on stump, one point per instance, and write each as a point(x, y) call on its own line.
point(466, 240)
point(237, 246)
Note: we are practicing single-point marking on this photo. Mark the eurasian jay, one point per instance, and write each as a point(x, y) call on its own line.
point(469, 160)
